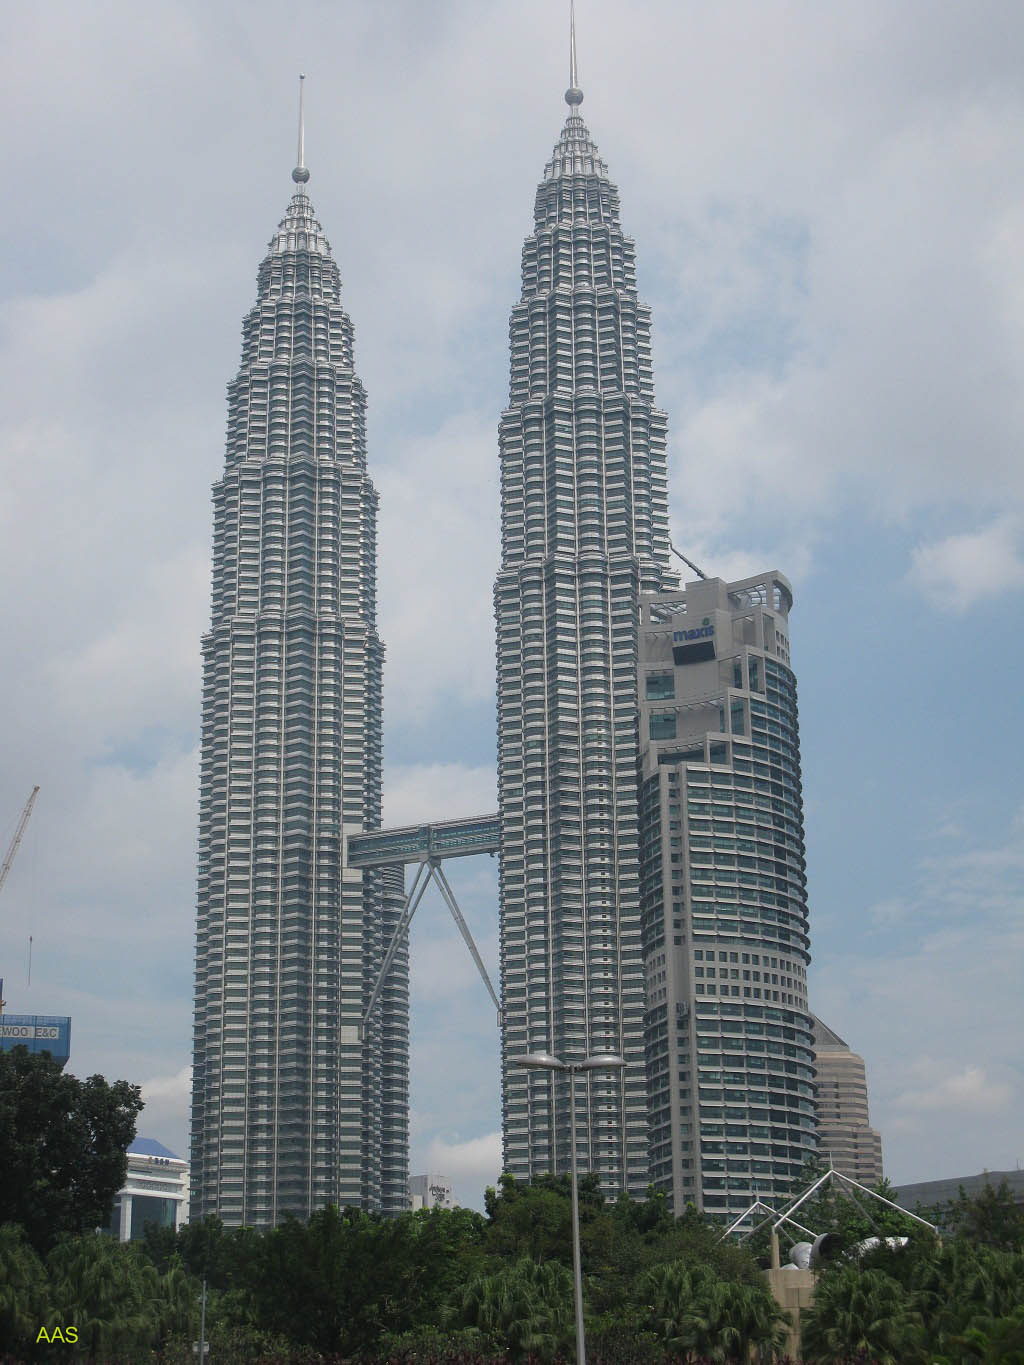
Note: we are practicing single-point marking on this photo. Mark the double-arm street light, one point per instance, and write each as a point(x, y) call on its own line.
point(598, 1061)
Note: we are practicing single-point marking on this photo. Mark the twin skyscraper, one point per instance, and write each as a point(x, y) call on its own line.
point(652, 896)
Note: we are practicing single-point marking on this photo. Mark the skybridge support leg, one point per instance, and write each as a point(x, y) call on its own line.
point(463, 928)
point(411, 903)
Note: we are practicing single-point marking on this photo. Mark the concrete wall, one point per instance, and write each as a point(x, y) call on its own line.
point(793, 1290)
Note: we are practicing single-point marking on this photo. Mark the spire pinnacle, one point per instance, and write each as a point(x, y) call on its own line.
point(300, 174)
point(574, 95)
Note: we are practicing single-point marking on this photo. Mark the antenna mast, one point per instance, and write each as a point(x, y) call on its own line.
point(301, 174)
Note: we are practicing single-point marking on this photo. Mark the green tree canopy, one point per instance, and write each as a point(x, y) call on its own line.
point(24, 1292)
point(62, 1146)
point(534, 1218)
point(860, 1313)
point(525, 1307)
point(693, 1311)
point(992, 1218)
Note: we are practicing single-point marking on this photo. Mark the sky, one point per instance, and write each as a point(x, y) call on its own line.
point(828, 208)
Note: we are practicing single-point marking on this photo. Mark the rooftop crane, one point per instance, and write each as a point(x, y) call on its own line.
point(17, 835)
point(688, 562)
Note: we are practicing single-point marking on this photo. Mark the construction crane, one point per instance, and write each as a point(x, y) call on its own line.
point(17, 836)
point(688, 562)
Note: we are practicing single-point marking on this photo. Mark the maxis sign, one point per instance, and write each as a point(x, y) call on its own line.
point(702, 632)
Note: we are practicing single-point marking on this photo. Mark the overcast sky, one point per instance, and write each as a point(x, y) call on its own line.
point(828, 207)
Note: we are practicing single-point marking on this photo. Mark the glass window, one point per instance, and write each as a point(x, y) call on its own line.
point(660, 686)
point(663, 725)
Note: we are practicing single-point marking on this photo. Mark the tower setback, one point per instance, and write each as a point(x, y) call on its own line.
point(292, 1107)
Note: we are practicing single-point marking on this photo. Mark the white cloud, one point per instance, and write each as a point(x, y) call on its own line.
point(444, 967)
point(965, 1093)
point(471, 1165)
point(892, 910)
point(166, 1115)
point(437, 791)
point(438, 557)
point(934, 1007)
point(962, 569)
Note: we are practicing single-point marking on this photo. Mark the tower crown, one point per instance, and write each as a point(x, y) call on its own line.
point(299, 229)
point(575, 152)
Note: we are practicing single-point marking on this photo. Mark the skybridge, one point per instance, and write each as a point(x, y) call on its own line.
point(428, 846)
point(420, 843)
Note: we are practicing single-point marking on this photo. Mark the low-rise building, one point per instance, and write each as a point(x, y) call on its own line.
point(928, 1193)
point(155, 1191)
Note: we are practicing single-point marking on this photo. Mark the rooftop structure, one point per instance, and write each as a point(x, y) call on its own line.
point(38, 1032)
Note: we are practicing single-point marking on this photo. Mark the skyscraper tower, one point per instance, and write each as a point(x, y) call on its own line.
point(293, 1107)
point(724, 897)
point(584, 533)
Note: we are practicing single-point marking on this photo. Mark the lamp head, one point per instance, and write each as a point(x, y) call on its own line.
point(602, 1061)
point(538, 1061)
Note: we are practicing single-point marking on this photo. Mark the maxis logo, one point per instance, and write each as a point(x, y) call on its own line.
point(67, 1335)
point(700, 632)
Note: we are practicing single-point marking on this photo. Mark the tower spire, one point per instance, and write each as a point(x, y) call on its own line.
point(574, 95)
point(300, 174)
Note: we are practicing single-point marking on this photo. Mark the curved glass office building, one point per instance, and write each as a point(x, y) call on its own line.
point(723, 896)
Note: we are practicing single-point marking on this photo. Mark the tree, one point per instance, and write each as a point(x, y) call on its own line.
point(694, 1311)
point(321, 1283)
point(991, 1339)
point(109, 1291)
point(640, 1236)
point(427, 1257)
point(525, 1307)
point(23, 1291)
point(224, 1257)
point(991, 1218)
point(534, 1218)
point(860, 1312)
point(62, 1146)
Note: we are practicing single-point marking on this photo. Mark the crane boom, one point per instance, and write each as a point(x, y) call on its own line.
point(17, 835)
point(688, 562)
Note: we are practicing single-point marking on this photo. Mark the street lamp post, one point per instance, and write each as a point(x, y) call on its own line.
point(598, 1061)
